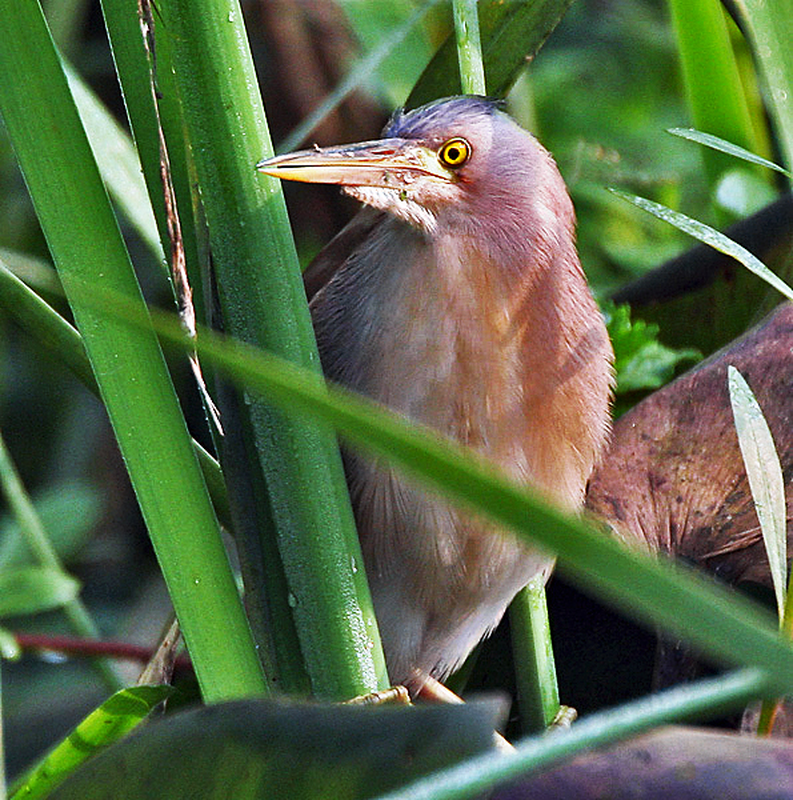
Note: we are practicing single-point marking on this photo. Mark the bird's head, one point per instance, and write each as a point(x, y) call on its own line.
point(451, 163)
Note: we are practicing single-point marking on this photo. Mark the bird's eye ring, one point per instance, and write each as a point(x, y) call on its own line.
point(455, 152)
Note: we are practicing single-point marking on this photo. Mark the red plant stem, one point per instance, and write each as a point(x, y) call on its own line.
point(93, 648)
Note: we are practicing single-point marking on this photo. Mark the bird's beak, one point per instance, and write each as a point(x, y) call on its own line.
point(386, 163)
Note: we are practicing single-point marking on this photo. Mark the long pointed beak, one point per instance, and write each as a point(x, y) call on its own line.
point(387, 163)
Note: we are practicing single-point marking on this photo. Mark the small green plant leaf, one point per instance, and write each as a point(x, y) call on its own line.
point(709, 236)
point(31, 590)
point(68, 511)
point(717, 143)
point(112, 721)
point(652, 366)
point(765, 478)
point(36, 272)
point(9, 647)
point(641, 361)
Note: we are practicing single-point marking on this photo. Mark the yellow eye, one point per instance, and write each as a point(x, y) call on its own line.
point(455, 152)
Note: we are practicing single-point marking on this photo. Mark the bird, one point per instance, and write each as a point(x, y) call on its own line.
point(456, 298)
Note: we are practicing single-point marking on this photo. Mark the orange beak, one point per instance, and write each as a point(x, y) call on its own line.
point(385, 163)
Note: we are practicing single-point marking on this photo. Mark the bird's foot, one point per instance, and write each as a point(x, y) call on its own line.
point(434, 691)
point(398, 695)
point(565, 717)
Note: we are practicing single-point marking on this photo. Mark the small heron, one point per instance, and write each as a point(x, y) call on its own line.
point(456, 297)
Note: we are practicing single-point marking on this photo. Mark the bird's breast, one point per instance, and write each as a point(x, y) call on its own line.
point(448, 338)
point(431, 340)
point(517, 370)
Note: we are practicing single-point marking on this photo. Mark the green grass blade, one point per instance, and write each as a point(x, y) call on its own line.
point(263, 301)
point(117, 161)
point(112, 721)
point(768, 494)
point(69, 511)
point(67, 20)
point(535, 668)
point(35, 315)
point(477, 775)
point(133, 69)
point(715, 93)
point(469, 46)
point(770, 26)
point(83, 236)
point(34, 271)
point(765, 479)
point(129, 56)
point(717, 143)
point(709, 236)
point(28, 520)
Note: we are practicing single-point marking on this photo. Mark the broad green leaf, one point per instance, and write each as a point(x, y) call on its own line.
point(31, 590)
point(765, 479)
point(68, 511)
point(268, 749)
point(709, 236)
point(112, 721)
point(717, 143)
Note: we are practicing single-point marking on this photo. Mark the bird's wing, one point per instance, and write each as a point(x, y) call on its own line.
point(320, 271)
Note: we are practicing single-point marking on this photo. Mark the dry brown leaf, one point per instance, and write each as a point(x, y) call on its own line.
point(673, 479)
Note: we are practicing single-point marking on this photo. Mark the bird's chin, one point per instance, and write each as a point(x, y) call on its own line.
point(397, 202)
